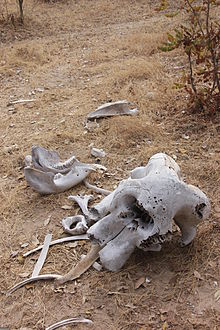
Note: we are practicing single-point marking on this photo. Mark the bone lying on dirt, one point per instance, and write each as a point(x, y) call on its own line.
point(111, 109)
point(75, 225)
point(83, 265)
point(96, 189)
point(82, 201)
point(20, 101)
point(98, 153)
point(58, 241)
point(68, 321)
point(139, 213)
point(47, 175)
point(34, 279)
point(43, 255)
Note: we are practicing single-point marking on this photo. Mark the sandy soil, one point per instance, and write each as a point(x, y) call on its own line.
point(72, 56)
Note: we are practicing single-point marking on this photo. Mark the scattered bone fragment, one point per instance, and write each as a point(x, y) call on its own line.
point(34, 279)
point(58, 241)
point(47, 175)
point(20, 101)
point(98, 153)
point(97, 266)
point(82, 201)
point(72, 320)
point(43, 255)
point(75, 225)
point(111, 109)
point(47, 221)
point(82, 266)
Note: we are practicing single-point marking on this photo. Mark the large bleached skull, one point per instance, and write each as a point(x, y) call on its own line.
point(140, 213)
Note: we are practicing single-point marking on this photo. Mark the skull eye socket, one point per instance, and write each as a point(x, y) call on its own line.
point(199, 209)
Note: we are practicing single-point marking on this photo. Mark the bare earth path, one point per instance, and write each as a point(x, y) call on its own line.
point(72, 56)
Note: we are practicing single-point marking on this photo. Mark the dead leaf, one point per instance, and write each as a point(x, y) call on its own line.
point(197, 275)
point(66, 207)
point(139, 282)
point(217, 295)
point(165, 326)
point(47, 221)
point(20, 259)
point(35, 241)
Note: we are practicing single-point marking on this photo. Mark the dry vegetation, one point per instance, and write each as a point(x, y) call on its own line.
point(72, 56)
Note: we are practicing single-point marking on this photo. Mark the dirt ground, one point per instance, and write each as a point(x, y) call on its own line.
point(71, 57)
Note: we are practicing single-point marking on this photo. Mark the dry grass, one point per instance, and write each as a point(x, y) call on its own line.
point(84, 54)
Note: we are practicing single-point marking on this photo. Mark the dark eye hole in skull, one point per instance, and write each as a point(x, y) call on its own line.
point(199, 209)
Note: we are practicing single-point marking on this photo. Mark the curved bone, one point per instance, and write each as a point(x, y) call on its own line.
point(80, 225)
point(83, 265)
point(82, 201)
point(34, 279)
point(72, 320)
point(118, 108)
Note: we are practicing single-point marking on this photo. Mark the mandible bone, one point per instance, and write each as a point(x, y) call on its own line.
point(47, 175)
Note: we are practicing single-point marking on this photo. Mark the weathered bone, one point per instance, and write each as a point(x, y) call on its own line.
point(82, 201)
point(46, 174)
point(75, 225)
point(118, 108)
point(96, 189)
point(72, 320)
point(140, 211)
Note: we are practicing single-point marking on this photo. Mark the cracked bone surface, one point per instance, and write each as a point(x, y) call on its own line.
point(140, 211)
point(47, 175)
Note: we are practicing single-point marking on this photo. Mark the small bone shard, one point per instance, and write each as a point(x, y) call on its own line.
point(118, 108)
point(96, 189)
point(97, 153)
point(47, 175)
point(20, 101)
point(75, 225)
